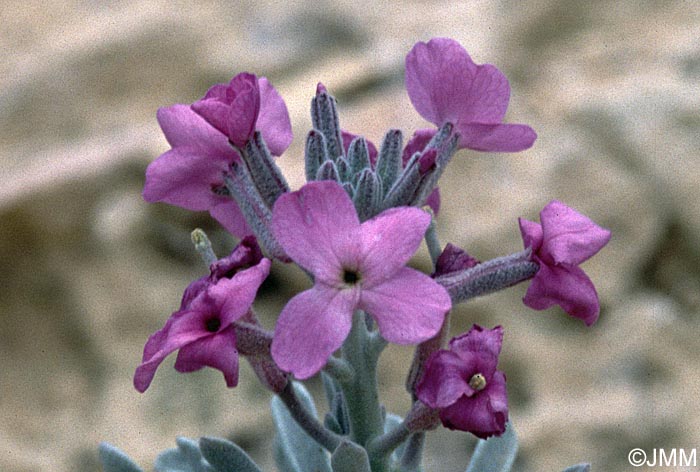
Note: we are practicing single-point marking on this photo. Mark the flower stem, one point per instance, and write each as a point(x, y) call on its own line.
point(413, 455)
point(326, 438)
point(361, 395)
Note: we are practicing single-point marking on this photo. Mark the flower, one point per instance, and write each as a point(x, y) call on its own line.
point(202, 329)
point(445, 85)
point(190, 175)
point(563, 240)
point(355, 266)
point(247, 103)
point(465, 386)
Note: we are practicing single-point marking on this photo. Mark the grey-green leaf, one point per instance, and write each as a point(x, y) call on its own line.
point(350, 457)
point(114, 460)
point(495, 454)
point(295, 451)
point(578, 468)
point(185, 458)
point(226, 456)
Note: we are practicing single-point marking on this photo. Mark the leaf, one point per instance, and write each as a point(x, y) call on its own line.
point(578, 468)
point(350, 457)
point(295, 451)
point(495, 454)
point(186, 457)
point(226, 456)
point(114, 460)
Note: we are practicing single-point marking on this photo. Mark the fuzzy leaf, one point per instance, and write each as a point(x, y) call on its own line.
point(578, 468)
point(185, 458)
point(295, 451)
point(114, 460)
point(349, 457)
point(226, 456)
point(495, 454)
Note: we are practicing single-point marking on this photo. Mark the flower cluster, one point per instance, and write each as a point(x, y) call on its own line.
point(353, 229)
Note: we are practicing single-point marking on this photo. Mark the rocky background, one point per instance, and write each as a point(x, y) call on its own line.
point(89, 270)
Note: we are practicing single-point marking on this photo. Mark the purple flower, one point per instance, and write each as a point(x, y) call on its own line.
point(202, 329)
point(355, 266)
point(563, 240)
point(465, 386)
point(190, 175)
point(445, 85)
point(244, 105)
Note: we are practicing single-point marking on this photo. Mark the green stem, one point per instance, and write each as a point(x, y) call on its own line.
point(361, 395)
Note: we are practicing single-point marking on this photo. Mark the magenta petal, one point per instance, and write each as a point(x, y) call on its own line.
point(484, 414)
point(531, 233)
point(216, 350)
point(438, 77)
point(409, 308)
point(389, 240)
point(314, 225)
point(273, 121)
point(244, 108)
point(488, 97)
point(230, 216)
point(568, 287)
point(181, 329)
point(444, 380)
point(495, 137)
point(478, 339)
point(570, 237)
point(417, 143)
point(310, 328)
point(453, 259)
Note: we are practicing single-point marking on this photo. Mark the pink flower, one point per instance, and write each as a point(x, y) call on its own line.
point(244, 105)
point(355, 266)
point(465, 386)
point(445, 85)
point(202, 329)
point(190, 175)
point(564, 240)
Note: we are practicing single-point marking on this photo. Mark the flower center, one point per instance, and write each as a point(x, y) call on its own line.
point(212, 325)
point(350, 277)
point(477, 382)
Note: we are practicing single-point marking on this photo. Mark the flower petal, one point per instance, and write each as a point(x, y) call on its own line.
point(244, 108)
point(568, 236)
point(438, 79)
point(185, 128)
point(388, 241)
point(230, 216)
point(217, 351)
point(479, 339)
point(444, 380)
point(310, 328)
point(315, 225)
point(484, 414)
point(417, 143)
point(273, 121)
point(495, 137)
point(531, 233)
point(409, 308)
point(568, 287)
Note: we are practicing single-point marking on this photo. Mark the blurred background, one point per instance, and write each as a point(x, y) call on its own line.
point(89, 270)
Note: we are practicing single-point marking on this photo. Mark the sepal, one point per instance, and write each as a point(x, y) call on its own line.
point(358, 158)
point(349, 457)
point(294, 450)
point(389, 160)
point(495, 454)
point(265, 173)
point(368, 194)
point(328, 171)
point(114, 460)
point(186, 457)
point(316, 153)
point(324, 117)
point(226, 456)
point(404, 189)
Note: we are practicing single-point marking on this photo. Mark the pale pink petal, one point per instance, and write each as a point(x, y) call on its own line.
point(495, 137)
point(315, 226)
point(183, 127)
point(488, 96)
point(438, 78)
point(388, 241)
point(531, 233)
point(229, 215)
point(310, 328)
point(444, 380)
point(217, 351)
point(568, 236)
point(273, 121)
point(568, 287)
point(409, 308)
